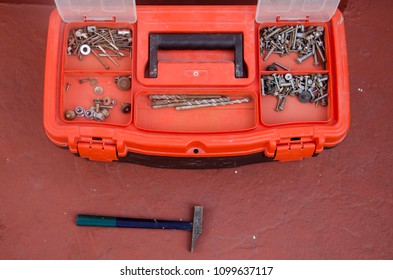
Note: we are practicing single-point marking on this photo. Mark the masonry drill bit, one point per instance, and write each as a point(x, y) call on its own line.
point(238, 101)
point(191, 102)
point(180, 96)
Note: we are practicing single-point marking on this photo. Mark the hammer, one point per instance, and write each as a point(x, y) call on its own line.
point(106, 221)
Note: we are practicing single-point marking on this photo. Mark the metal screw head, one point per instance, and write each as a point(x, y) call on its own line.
point(98, 90)
point(305, 97)
point(124, 83)
point(126, 108)
point(107, 100)
point(271, 67)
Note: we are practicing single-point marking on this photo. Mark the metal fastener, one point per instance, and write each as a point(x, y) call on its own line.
point(303, 58)
point(70, 115)
point(107, 100)
point(282, 66)
point(80, 112)
point(98, 90)
point(85, 49)
point(90, 114)
point(126, 108)
point(123, 82)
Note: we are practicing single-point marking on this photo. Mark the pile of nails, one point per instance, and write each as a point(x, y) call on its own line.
point(192, 101)
point(102, 42)
point(306, 41)
point(308, 88)
point(99, 111)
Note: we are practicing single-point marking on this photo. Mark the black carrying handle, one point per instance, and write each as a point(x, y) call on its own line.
point(196, 41)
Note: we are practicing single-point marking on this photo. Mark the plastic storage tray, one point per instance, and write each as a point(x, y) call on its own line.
point(193, 65)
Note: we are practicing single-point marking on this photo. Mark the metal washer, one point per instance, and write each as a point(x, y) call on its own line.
point(124, 83)
point(98, 90)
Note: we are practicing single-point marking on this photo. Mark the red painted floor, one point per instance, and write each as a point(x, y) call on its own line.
point(336, 206)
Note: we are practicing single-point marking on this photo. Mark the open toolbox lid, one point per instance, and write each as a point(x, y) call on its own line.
point(293, 10)
point(97, 10)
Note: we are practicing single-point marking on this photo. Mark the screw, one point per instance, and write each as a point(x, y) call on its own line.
point(100, 117)
point(303, 58)
point(269, 53)
point(282, 66)
point(126, 108)
point(68, 85)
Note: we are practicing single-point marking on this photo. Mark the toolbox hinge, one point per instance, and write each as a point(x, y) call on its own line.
point(97, 151)
point(283, 19)
point(294, 151)
point(109, 19)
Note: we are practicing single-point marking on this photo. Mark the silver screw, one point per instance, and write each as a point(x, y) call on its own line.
point(303, 58)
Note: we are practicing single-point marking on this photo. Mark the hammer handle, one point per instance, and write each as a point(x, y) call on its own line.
point(107, 221)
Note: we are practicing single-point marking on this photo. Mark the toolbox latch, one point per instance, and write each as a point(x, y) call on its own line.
point(97, 151)
point(294, 151)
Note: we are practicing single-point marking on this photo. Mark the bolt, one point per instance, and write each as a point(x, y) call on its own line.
point(282, 66)
point(126, 108)
point(303, 58)
point(316, 62)
point(269, 53)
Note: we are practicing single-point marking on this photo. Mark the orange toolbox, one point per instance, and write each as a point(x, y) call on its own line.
point(196, 86)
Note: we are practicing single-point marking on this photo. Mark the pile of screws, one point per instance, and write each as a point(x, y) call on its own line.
point(99, 111)
point(306, 41)
point(308, 88)
point(102, 42)
point(186, 102)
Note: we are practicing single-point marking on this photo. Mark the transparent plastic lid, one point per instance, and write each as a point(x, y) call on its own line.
point(99, 10)
point(293, 10)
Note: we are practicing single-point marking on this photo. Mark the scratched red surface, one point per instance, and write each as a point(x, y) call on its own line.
point(336, 206)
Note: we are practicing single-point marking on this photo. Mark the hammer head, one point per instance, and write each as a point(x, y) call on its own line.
point(196, 225)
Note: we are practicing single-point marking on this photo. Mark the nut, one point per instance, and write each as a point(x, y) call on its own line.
point(70, 115)
point(100, 117)
point(90, 114)
point(105, 112)
point(80, 112)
